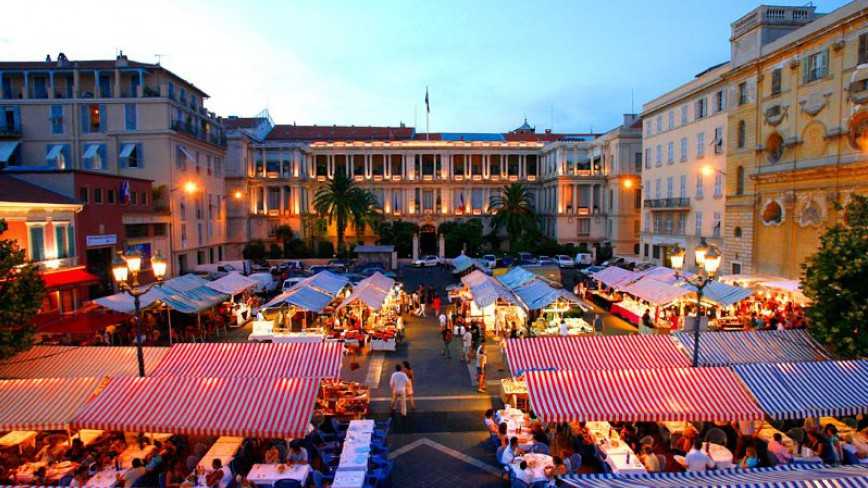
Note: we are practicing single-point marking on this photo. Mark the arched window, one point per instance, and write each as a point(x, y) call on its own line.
point(739, 181)
point(740, 134)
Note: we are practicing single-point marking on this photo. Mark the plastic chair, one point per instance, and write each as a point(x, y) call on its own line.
point(288, 484)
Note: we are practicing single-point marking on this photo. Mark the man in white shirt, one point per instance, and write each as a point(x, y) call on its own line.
point(696, 459)
point(777, 448)
point(564, 330)
point(510, 452)
point(523, 473)
point(442, 319)
point(467, 341)
point(398, 382)
point(226, 473)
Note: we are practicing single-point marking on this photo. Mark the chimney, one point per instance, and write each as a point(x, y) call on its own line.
point(47, 58)
point(61, 59)
point(629, 119)
point(121, 59)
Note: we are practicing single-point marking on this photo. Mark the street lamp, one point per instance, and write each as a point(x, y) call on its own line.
point(707, 263)
point(126, 270)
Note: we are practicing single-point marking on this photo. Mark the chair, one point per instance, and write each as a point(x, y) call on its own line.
point(540, 484)
point(493, 440)
point(65, 481)
point(716, 436)
point(517, 483)
point(385, 425)
point(319, 478)
point(797, 434)
point(288, 484)
point(499, 454)
point(575, 462)
point(539, 448)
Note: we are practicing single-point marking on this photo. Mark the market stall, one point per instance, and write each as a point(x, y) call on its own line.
point(765, 346)
point(552, 306)
point(723, 299)
point(300, 305)
point(74, 362)
point(492, 302)
point(374, 304)
point(235, 284)
point(463, 264)
point(660, 300)
point(319, 360)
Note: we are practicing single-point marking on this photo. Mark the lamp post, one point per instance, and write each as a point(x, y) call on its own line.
point(707, 263)
point(126, 273)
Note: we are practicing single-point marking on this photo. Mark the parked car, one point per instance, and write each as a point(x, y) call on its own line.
point(507, 261)
point(489, 260)
point(527, 259)
point(339, 264)
point(584, 259)
point(565, 261)
point(427, 261)
point(546, 261)
point(318, 268)
point(290, 282)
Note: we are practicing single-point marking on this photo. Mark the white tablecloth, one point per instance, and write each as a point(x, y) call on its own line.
point(17, 437)
point(267, 474)
point(365, 425)
point(108, 476)
point(223, 449)
point(721, 456)
point(616, 456)
point(536, 463)
point(345, 478)
point(103, 479)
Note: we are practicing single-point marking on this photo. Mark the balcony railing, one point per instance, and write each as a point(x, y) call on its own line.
point(668, 203)
point(10, 131)
point(193, 130)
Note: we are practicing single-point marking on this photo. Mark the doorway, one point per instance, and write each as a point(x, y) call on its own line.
point(428, 240)
point(99, 263)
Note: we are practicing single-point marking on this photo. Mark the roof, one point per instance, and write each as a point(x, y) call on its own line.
point(766, 346)
point(14, 190)
point(593, 352)
point(232, 284)
point(246, 407)
point(338, 133)
point(230, 123)
point(26, 170)
point(72, 361)
point(537, 294)
point(811, 389)
point(43, 404)
point(656, 292)
point(615, 277)
point(258, 360)
point(69, 277)
point(640, 395)
point(487, 290)
point(361, 248)
point(781, 476)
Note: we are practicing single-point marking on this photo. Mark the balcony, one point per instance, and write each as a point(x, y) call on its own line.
point(682, 203)
point(10, 131)
point(192, 130)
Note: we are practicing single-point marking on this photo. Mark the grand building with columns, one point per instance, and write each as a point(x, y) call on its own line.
point(273, 172)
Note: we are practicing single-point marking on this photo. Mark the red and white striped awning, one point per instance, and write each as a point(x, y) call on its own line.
point(593, 352)
point(71, 362)
point(640, 395)
point(262, 360)
point(243, 407)
point(43, 404)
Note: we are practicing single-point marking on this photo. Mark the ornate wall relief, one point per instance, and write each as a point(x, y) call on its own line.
point(811, 209)
point(772, 213)
point(858, 130)
point(775, 114)
point(813, 140)
point(813, 103)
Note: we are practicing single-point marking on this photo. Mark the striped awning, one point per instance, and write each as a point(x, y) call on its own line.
point(798, 390)
point(767, 346)
point(243, 407)
point(640, 395)
point(43, 404)
point(265, 360)
point(782, 476)
point(593, 352)
point(71, 362)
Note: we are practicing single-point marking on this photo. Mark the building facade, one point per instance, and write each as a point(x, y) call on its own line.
point(797, 132)
point(683, 179)
point(125, 118)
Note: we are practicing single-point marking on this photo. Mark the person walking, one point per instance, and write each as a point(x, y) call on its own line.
point(467, 343)
point(398, 383)
point(446, 334)
point(411, 386)
point(481, 360)
point(436, 304)
point(458, 334)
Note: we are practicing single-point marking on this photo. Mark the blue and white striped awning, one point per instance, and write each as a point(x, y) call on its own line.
point(767, 346)
point(784, 476)
point(818, 389)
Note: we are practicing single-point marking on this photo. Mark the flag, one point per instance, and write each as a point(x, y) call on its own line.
point(427, 105)
point(461, 201)
point(125, 191)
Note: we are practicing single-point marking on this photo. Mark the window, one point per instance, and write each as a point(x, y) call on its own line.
point(715, 226)
point(669, 184)
point(659, 155)
point(93, 118)
point(130, 116)
point(700, 144)
point(699, 187)
point(133, 198)
point(647, 127)
point(699, 224)
point(82, 194)
point(701, 108)
point(494, 164)
point(584, 227)
point(863, 49)
point(131, 156)
point(645, 250)
point(657, 188)
point(648, 158)
point(739, 180)
point(37, 243)
point(183, 232)
point(97, 195)
point(655, 252)
point(637, 162)
point(742, 93)
point(684, 114)
point(776, 81)
point(682, 186)
point(110, 196)
point(718, 140)
point(718, 185)
point(57, 119)
point(671, 119)
point(736, 268)
point(683, 149)
point(181, 158)
point(740, 134)
point(670, 153)
point(720, 101)
point(659, 123)
point(736, 232)
point(774, 147)
point(815, 66)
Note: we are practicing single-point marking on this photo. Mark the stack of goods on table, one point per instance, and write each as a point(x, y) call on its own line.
point(344, 399)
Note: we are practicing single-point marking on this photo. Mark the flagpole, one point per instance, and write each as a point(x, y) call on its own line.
point(427, 117)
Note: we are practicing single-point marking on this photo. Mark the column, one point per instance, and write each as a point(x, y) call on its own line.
point(441, 246)
point(415, 246)
point(51, 90)
point(140, 92)
point(576, 198)
point(282, 206)
point(25, 92)
point(116, 92)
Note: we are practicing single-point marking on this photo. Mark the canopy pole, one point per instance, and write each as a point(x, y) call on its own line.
point(199, 323)
point(169, 314)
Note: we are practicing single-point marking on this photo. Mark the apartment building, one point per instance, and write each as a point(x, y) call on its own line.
point(126, 118)
point(799, 125)
point(423, 178)
point(684, 174)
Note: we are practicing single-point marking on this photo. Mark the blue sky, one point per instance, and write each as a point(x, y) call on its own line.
point(566, 65)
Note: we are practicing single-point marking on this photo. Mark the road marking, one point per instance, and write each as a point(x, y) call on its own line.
point(375, 370)
point(449, 452)
point(436, 398)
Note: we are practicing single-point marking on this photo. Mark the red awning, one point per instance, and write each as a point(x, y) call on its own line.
point(640, 395)
point(43, 404)
point(593, 352)
point(76, 361)
point(305, 360)
point(244, 407)
point(66, 278)
point(80, 323)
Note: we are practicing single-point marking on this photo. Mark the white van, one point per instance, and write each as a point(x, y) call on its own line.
point(584, 259)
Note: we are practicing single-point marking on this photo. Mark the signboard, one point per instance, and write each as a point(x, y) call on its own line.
point(101, 240)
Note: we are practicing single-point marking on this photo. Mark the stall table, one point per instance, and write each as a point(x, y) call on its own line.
point(345, 478)
point(269, 474)
point(109, 476)
point(223, 449)
point(18, 438)
point(514, 392)
point(619, 455)
point(88, 436)
point(621, 309)
point(536, 463)
point(53, 473)
point(362, 425)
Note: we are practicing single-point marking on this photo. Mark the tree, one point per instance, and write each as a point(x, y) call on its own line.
point(21, 294)
point(254, 250)
point(284, 234)
point(513, 211)
point(398, 233)
point(462, 236)
point(836, 281)
point(342, 202)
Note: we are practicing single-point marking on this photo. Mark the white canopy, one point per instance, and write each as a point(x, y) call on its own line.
point(232, 284)
point(654, 291)
point(615, 277)
point(123, 302)
point(369, 294)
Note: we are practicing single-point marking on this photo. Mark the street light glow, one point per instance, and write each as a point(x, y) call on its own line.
point(191, 187)
point(707, 170)
point(237, 194)
point(628, 184)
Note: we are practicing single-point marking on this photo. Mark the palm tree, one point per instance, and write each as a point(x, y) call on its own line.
point(513, 210)
point(344, 203)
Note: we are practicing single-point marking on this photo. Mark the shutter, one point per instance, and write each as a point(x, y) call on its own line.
point(863, 48)
point(805, 63)
point(103, 117)
point(59, 235)
point(103, 161)
point(824, 62)
point(70, 240)
point(37, 246)
point(85, 127)
point(16, 117)
point(140, 156)
point(67, 160)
